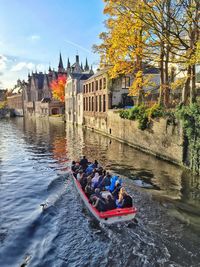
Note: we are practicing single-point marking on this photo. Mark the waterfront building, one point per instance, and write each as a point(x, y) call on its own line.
point(74, 91)
point(100, 93)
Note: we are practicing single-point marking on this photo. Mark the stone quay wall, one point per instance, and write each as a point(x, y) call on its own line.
point(162, 140)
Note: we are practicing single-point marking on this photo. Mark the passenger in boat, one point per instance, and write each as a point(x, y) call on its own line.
point(79, 175)
point(95, 180)
point(113, 180)
point(116, 190)
point(100, 171)
point(84, 163)
point(99, 204)
point(73, 166)
point(88, 189)
point(96, 164)
point(76, 169)
point(106, 180)
point(89, 169)
point(124, 200)
point(83, 181)
point(110, 203)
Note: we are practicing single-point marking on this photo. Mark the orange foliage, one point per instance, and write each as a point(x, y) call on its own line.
point(58, 87)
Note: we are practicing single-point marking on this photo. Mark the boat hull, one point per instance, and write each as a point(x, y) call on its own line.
point(107, 217)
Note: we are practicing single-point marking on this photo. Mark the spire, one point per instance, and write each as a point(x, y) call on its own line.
point(77, 58)
point(68, 64)
point(60, 65)
point(86, 65)
point(49, 68)
point(91, 70)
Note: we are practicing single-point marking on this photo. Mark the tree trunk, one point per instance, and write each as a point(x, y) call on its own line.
point(166, 91)
point(167, 53)
point(161, 100)
point(139, 67)
point(186, 88)
point(193, 85)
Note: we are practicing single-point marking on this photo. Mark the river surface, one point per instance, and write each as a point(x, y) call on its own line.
point(35, 157)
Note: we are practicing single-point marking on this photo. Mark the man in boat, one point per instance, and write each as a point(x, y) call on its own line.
point(84, 163)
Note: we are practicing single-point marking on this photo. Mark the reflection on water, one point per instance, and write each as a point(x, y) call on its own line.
point(35, 158)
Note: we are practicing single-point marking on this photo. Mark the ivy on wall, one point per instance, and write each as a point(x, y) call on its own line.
point(190, 117)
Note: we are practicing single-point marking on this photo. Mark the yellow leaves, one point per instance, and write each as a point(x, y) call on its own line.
point(178, 84)
point(141, 82)
point(137, 84)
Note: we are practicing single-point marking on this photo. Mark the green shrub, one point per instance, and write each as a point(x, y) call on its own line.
point(124, 114)
point(133, 113)
point(156, 111)
point(143, 121)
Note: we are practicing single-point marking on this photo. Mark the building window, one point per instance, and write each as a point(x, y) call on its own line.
point(89, 103)
point(84, 103)
point(104, 103)
point(125, 82)
point(83, 88)
point(89, 87)
point(96, 85)
point(96, 104)
point(86, 88)
point(104, 83)
point(92, 103)
point(100, 84)
point(100, 103)
point(92, 86)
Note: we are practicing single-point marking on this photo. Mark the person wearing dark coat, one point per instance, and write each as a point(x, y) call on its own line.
point(84, 163)
point(110, 203)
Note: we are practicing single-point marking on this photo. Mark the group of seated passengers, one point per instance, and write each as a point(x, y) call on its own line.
point(104, 191)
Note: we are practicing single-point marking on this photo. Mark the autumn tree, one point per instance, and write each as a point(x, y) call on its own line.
point(123, 45)
point(58, 87)
point(175, 25)
point(165, 32)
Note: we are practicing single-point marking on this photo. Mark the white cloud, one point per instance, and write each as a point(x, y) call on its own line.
point(23, 65)
point(3, 61)
point(34, 37)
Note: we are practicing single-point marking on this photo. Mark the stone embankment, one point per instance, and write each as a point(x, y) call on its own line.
point(162, 140)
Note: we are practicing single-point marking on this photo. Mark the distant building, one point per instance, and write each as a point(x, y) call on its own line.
point(76, 75)
point(15, 99)
point(37, 94)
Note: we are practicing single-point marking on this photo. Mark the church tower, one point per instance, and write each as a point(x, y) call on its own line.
point(60, 65)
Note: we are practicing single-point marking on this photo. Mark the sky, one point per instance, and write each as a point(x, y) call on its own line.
point(34, 32)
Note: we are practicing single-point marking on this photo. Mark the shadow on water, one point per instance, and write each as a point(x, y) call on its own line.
point(62, 232)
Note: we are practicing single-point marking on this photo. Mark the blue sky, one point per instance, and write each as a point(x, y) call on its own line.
point(33, 32)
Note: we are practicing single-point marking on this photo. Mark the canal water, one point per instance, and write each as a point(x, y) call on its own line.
point(35, 157)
